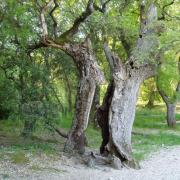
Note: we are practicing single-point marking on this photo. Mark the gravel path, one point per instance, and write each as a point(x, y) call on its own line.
point(162, 165)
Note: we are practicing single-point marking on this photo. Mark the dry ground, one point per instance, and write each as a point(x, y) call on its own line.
point(162, 165)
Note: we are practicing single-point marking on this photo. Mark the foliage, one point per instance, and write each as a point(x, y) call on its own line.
point(149, 92)
point(167, 81)
point(41, 84)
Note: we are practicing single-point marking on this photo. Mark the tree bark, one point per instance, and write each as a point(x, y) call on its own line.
point(90, 74)
point(171, 109)
point(121, 117)
point(127, 79)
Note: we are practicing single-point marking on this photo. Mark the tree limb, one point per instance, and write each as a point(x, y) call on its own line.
point(43, 21)
point(53, 18)
point(102, 9)
point(163, 10)
point(114, 61)
point(126, 45)
point(67, 35)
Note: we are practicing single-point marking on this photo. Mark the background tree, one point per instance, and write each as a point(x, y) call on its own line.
point(168, 84)
point(149, 93)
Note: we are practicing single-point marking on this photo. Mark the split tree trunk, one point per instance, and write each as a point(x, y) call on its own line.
point(119, 107)
point(90, 74)
point(117, 113)
point(121, 117)
point(127, 79)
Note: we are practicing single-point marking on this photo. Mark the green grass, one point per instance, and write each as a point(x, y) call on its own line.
point(19, 158)
point(144, 145)
point(151, 123)
point(153, 118)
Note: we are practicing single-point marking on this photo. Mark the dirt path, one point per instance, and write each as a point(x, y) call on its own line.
point(162, 165)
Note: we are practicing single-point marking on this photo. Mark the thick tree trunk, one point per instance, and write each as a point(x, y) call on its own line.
point(90, 74)
point(76, 139)
point(116, 115)
point(121, 118)
point(127, 80)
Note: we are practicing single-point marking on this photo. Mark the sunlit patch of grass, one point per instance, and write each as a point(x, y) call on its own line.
point(153, 118)
point(143, 145)
point(94, 137)
point(19, 158)
point(11, 126)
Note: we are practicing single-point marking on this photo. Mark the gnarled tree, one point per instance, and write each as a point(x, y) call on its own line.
point(89, 71)
point(119, 108)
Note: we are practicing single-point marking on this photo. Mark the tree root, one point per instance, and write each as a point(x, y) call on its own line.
point(112, 161)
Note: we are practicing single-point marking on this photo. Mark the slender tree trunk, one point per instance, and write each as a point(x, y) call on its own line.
point(95, 105)
point(171, 108)
point(90, 74)
point(150, 103)
point(29, 125)
point(171, 119)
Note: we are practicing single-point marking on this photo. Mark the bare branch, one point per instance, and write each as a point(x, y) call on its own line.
point(102, 9)
point(53, 18)
point(114, 61)
point(43, 21)
point(125, 43)
point(109, 57)
point(69, 33)
point(142, 15)
point(35, 46)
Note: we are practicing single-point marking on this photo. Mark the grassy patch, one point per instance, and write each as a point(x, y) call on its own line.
point(94, 137)
point(152, 122)
point(19, 158)
point(144, 145)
